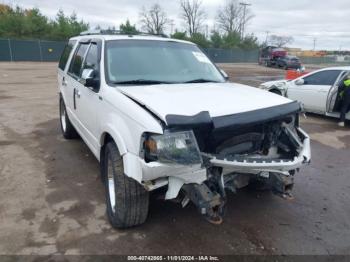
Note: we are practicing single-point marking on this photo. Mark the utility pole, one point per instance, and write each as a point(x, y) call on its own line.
point(172, 24)
point(267, 37)
point(315, 40)
point(244, 5)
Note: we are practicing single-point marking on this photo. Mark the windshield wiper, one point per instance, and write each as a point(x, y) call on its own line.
point(141, 82)
point(201, 80)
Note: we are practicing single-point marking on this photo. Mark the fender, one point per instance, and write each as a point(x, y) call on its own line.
point(131, 162)
point(109, 129)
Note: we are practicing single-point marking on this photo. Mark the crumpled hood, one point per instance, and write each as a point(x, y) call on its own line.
point(277, 83)
point(218, 99)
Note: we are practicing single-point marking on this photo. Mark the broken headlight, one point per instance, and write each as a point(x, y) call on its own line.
point(172, 147)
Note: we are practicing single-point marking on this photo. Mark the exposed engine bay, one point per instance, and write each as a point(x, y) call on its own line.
point(265, 148)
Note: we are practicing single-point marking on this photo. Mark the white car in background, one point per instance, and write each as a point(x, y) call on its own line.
point(317, 91)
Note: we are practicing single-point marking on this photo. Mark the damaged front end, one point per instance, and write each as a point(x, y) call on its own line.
point(204, 156)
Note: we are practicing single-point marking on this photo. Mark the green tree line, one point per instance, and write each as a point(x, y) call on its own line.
point(217, 40)
point(32, 24)
point(22, 23)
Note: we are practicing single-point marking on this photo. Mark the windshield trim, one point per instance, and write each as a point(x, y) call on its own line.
point(114, 84)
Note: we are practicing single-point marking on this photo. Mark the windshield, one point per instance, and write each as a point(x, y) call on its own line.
point(156, 62)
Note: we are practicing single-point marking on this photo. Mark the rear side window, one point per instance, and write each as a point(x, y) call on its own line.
point(77, 61)
point(326, 78)
point(65, 55)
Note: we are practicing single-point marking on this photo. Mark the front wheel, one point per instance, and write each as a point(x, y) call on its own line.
point(276, 91)
point(67, 128)
point(127, 201)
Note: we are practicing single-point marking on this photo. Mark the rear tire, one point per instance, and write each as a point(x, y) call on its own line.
point(127, 201)
point(68, 130)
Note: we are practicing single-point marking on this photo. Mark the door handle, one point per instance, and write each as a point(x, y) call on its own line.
point(78, 94)
point(64, 82)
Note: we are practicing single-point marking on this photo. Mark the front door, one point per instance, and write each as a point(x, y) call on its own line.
point(88, 98)
point(314, 92)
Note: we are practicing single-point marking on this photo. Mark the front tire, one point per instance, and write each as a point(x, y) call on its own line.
point(127, 201)
point(67, 128)
point(275, 91)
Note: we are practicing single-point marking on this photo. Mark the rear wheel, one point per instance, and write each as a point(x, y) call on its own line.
point(67, 128)
point(127, 201)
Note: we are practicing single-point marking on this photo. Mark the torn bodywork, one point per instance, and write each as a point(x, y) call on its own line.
point(265, 148)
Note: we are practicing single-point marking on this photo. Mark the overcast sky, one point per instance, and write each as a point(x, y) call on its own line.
point(326, 21)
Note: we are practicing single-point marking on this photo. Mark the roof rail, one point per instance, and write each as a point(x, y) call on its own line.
point(118, 32)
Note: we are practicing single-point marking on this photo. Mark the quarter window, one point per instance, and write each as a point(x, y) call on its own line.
point(326, 78)
point(65, 55)
point(91, 61)
point(77, 62)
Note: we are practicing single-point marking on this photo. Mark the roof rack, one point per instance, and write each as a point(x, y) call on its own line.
point(118, 32)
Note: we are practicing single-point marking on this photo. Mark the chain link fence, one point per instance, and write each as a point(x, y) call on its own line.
point(325, 60)
point(235, 55)
point(50, 51)
point(30, 50)
point(251, 56)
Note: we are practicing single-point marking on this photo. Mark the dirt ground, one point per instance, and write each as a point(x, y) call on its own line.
point(52, 201)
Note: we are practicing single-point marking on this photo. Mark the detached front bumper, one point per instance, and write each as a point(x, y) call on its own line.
point(154, 175)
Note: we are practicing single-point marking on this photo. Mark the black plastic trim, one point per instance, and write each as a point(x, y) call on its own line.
point(200, 119)
point(233, 121)
point(256, 116)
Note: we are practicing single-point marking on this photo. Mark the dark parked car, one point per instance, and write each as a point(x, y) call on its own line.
point(287, 62)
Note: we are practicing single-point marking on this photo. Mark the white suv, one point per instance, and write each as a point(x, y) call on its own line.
point(157, 113)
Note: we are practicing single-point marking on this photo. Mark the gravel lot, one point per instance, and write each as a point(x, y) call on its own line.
point(52, 201)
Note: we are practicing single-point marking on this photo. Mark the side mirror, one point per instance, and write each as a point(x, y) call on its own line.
point(300, 82)
point(224, 74)
point(88, 79)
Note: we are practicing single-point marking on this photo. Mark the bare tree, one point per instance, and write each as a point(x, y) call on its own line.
point(228, 17)
point(233, 17)
point(193, 15)
point(154, 19)
point(280, 40)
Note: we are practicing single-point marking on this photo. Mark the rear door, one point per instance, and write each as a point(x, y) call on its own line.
point(72, 81)
point(65, 91)
point(314, 92)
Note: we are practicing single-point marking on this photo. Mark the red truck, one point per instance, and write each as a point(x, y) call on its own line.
point(270, 55)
